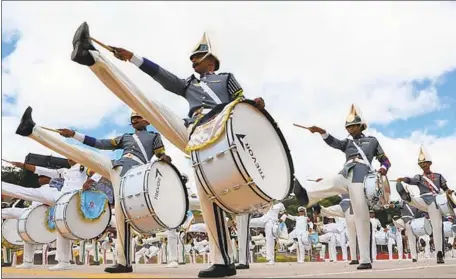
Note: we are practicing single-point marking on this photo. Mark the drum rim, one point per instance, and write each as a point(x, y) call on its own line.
point(275, 126)
point(6, 243)
point(21, 218)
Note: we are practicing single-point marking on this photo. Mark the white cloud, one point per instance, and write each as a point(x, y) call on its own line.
point(441, 122)
point(308, 60)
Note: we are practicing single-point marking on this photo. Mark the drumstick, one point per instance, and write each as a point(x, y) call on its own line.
point(300, 126)
point(52, 130)
point(102, 45)
point(6, 161)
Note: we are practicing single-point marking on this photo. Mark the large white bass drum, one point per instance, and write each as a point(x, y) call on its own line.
point(10, 237)
point(72, 224)
point(154, 197)
point(248, 165)
point(32, 227)
point(421, 227)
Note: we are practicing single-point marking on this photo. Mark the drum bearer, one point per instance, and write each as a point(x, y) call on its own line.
point(203, 93)
point(75, 178)
point(351, 178)
point(395, 236)
point(343, 209)
point(429, 184)
point(301, 232)
point(138, 148)
point(15, 213)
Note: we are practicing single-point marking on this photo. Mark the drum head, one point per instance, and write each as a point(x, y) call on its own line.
point(9, 232)
point(35, 225)
point(167, 194)
point(84, 229)
point(262, 151)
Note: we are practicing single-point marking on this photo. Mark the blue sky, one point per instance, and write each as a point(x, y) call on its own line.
point(399, 128)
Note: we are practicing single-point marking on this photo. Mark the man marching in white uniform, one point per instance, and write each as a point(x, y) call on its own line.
point(76, 178)
point(15, 213)
point(344, 209)
point(301, 232)
point(359, 150)
point(429, 184)
point(376, 227)
point(394, 236)
point(330, 230)
point(202, 97)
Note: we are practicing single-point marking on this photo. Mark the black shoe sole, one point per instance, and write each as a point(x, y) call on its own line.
point(301, 195)
point(27, 124)
point(82, 45)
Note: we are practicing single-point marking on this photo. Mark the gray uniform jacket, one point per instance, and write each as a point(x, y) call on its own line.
point(223, 85)
point(371, 148)
point(151, 141)
point(425, 187)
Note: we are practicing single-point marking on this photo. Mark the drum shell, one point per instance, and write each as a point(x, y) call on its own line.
point(71, 225)
point(444, 205)
point(15, 243)
point(143, 199)
point(31, 226)
point(421, 227)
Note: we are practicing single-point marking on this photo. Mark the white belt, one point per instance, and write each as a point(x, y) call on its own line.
point(428, 194)
point(133, 157)
point(356, 160)
point(345, 199)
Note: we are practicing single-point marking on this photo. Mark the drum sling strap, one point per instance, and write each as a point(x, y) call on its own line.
point(437, 190)
point(361, 152)
point(141, 146)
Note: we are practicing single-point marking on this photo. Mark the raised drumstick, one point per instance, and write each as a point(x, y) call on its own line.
point(52, 130)
point(102, 45)
point(300, 126)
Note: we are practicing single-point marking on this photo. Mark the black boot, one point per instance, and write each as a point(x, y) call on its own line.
point(218, 270)
point(401, 191)
point(82, 45)
point(118, 268)
point(26, 125)
point(353, 262)
point(301, 195)
point(6, 264)
point(364, 266)
point(414, 260)
point(440, 259)
point(242, 266)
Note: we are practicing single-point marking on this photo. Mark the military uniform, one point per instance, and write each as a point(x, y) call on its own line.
point(132, 156)
point(429, 186)
point(350, 180)
point(344, 210)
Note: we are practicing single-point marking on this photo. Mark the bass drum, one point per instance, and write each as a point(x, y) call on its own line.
point(10, 237)
point(31, 226)
point(421, 227)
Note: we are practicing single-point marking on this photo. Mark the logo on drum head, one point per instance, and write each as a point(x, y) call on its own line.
point(246, 147)
point(158, 177)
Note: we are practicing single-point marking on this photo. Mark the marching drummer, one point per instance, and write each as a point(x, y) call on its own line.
point(351, 178)
point(205, 93)
point(75, 178)
point(429, 184)
point(15, 213)
point(138, 148)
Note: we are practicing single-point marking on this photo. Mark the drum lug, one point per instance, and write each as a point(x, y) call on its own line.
point(237, 187)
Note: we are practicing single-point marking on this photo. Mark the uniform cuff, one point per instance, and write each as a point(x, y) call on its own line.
point(137, 60)
point(325, 135)
point(79, 137)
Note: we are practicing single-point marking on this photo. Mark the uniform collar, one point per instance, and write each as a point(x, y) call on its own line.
point(358, 137)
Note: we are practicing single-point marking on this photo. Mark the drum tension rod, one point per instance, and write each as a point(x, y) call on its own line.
point(218, 154)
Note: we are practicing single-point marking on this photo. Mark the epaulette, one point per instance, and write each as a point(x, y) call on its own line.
point(224, 74)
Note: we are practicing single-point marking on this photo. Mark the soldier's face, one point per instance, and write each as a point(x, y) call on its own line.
point(204, 66)
point(425, 166)
point(354, 130)
point(139, 123)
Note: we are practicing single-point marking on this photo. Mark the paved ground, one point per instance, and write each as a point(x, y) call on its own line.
point(382, 269)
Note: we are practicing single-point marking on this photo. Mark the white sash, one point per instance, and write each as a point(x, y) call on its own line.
point(432, 184)
point(143, 151)
point(211, 93)
point(411, 212)
point(361, 152)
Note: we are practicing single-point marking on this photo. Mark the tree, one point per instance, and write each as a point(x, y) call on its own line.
point(13, 175)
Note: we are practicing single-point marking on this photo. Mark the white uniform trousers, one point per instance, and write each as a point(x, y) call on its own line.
point(330, 239)
point(411, 240)
point(339, 185)
point(435, 217)
point(336, 211)
point(172, 128)
point(243, 230)
point(395, 238)
point(47, 196)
